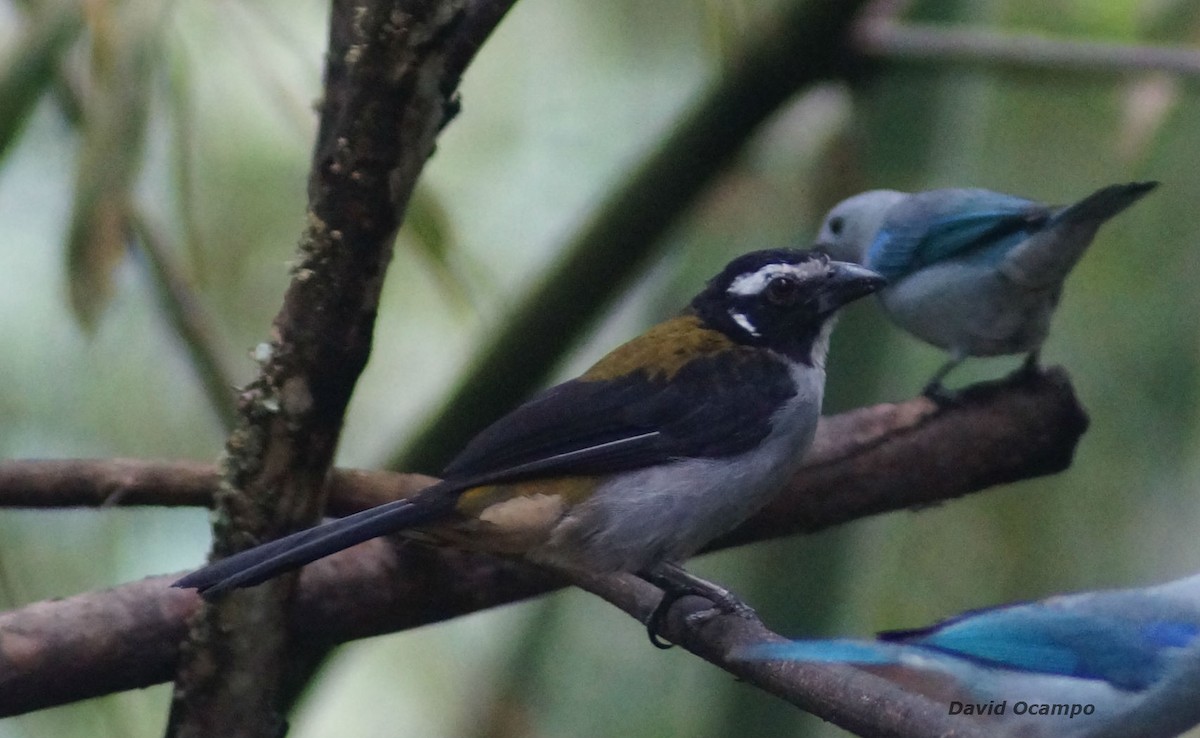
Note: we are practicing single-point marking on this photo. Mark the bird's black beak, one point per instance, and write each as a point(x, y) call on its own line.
point(846, 283)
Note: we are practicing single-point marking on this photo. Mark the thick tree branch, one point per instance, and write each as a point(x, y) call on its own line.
point(886, 457)
point(391, 71)
point(912, 454)
point(862, 462)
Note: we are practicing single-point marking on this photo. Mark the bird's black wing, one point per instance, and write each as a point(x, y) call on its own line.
point(715, 405)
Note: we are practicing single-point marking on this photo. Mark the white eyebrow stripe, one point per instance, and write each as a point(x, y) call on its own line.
point(753, 283)
point(744, 322)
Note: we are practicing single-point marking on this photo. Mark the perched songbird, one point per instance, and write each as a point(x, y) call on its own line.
point(1118, 663)
point(667, 442)
point(975, 272)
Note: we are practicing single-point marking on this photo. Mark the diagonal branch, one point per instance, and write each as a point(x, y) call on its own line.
point(856, 700)
point(886, 457)
point(391, 72)
point(187, 315)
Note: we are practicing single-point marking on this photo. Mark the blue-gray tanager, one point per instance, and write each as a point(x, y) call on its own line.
point(1118, 663)
point(972, 271)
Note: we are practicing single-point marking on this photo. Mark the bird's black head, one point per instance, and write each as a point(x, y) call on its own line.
point(783, 299)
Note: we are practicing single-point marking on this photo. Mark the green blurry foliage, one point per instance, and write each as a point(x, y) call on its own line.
point(28, 69)
point(124, 39)
point(202, 115)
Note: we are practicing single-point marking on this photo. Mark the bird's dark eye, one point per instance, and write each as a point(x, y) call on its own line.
point(836, 224)
point(782, 291)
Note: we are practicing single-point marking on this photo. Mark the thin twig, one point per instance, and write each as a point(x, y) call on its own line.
point(48, 484)
point(187, 207)
point(189, 318)
point(881, 34)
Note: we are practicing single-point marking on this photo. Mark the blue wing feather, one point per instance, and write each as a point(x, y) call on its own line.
point(1127, 654)
point(933, 226)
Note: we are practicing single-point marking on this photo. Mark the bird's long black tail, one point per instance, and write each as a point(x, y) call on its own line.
point(257, 565)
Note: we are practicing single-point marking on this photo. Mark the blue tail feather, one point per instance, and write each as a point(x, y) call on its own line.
point(836, 651)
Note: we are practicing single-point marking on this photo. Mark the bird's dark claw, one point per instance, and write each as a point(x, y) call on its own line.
point(937, 391)
point(658, 618)
point(1029, 370)
point(942, 397)
point(677, 584)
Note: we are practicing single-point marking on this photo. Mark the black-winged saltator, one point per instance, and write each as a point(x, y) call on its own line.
point(667, 442)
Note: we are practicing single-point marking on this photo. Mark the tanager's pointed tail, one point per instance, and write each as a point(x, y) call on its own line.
point(258, 564)
point(1045, 258)
point(1105, 202)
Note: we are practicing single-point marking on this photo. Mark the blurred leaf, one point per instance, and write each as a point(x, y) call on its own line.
point(1178, 20)
point(183, 116)
point(726, 25)
point(428, 227)
point(1147, 103)
point(125, 41)
point(29, 69)
point(94, 249)
point(1110, 19)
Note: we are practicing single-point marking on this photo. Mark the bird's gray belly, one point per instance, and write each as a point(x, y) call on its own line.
point(668, 512)
point(970, 309)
